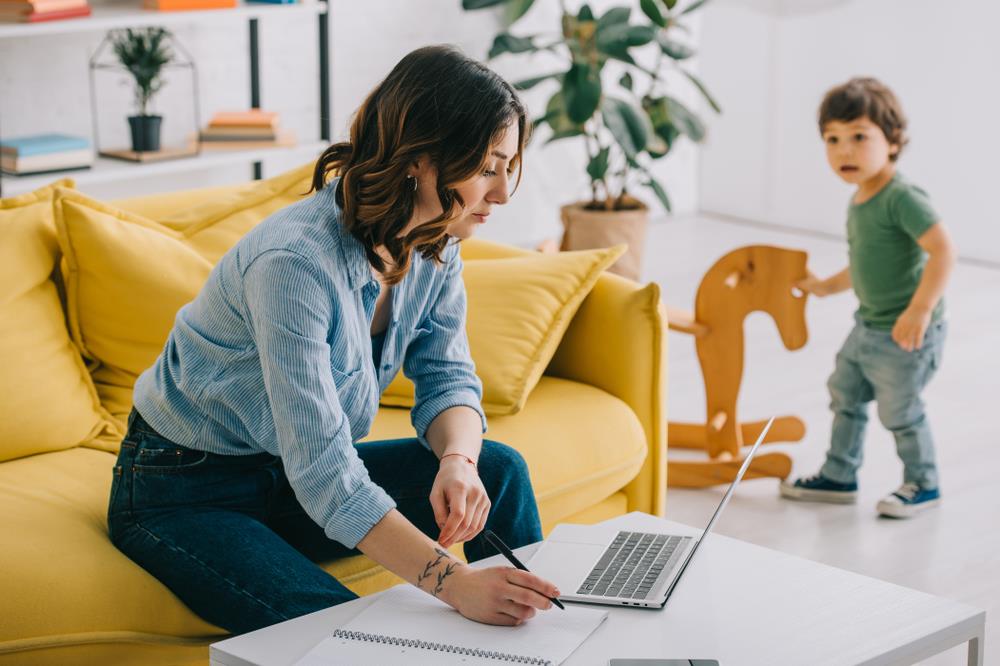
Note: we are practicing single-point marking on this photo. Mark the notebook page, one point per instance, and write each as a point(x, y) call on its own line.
point(404, 612)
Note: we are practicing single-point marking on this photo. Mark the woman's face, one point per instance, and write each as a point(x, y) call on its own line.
point(480, 192)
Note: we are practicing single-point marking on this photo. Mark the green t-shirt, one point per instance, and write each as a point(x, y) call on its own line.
point(886, 261)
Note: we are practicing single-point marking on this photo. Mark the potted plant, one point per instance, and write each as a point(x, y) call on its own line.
point(626, 124)
point(143, 52)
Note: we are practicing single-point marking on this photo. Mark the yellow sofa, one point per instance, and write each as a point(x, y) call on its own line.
point(592, 431)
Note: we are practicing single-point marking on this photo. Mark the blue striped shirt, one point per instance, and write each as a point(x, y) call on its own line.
point(275, 355)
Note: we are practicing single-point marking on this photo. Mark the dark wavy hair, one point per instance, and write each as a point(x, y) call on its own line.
point(869, 98)
point(436, 102)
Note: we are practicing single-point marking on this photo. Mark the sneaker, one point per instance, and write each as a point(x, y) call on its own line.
point(818, 488)
point(908, 501)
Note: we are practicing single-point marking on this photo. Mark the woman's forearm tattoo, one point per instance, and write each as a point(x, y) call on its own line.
point(449, 569)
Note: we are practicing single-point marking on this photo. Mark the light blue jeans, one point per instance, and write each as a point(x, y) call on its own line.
point(871, 366)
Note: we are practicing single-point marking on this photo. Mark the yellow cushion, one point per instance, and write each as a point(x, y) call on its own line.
point(518, 310)
point(47, 401)
point(66, 585)
point(581, 443)
point(213, 219)
point(126, 275)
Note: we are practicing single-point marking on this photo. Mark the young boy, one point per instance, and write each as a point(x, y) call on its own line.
point(900, 258)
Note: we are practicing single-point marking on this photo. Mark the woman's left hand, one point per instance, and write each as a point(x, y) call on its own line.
point(459, 501)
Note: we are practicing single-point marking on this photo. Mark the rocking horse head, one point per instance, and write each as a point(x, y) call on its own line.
point(755, 278)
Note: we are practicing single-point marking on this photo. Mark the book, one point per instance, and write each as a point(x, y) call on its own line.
point(407, 625)
point(187, 5)
point(70, 159)
point(228, 132)
point(252, 117)
point(42, 144)
point(39, 6)
point(16, 17)
point(281, 140)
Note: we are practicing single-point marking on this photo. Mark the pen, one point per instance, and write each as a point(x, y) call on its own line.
point(509, 554)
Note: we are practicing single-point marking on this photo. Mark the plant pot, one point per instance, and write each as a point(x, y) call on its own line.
point(145, 133)
point(588, 229)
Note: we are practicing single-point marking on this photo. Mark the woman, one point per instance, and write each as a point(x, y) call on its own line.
point(241, 466)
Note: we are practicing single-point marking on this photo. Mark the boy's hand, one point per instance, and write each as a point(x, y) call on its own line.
point(813, 285)
point(908, 332)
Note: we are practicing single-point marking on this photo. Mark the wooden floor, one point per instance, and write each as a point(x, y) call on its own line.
point(952, 551)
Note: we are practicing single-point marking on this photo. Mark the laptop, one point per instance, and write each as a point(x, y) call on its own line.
point(596, 565)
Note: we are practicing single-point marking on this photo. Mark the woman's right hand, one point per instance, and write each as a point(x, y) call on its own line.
point(498, 595)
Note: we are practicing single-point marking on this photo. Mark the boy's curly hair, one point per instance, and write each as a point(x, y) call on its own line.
point(870, 98)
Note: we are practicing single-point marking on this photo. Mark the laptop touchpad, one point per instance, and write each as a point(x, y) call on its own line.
point(565, 564)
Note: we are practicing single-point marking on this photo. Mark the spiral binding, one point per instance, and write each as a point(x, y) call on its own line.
point(440, 647)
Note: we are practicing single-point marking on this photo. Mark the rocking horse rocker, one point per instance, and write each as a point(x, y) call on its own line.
point(749, 279)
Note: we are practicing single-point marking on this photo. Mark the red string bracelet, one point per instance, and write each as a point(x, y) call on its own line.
point(462, 455)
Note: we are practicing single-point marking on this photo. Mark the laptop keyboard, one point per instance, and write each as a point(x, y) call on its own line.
point(631, 565)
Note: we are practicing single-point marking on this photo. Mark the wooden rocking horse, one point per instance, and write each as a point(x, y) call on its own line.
point(749, 279)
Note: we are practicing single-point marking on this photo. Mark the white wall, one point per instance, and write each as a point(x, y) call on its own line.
point(554, 174)
point(43, 87)
point(772, 62)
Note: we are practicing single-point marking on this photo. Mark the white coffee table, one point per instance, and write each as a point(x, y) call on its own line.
point(738, 603)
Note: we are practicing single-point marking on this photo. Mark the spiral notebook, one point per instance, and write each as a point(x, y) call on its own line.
point(408, 626)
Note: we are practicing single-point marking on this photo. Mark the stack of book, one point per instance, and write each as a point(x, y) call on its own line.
point(244, 129)
point(32, 11)
point(187, 5)
point(45, 152)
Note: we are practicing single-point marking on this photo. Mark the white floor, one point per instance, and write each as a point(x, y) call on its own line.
point(952, 551)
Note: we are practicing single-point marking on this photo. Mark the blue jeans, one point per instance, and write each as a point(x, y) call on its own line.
point(871, 366)
point(228, 537)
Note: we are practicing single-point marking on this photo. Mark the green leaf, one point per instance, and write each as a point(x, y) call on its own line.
point(480, 4)
point(614, 38)
point(650, 9)
point(556, 117)
point(657, 146)
point(508, 43)
point(516, 9)
point(658, 190)
point(625, 124)
point(544, 118)
point(703, 90)
point(626, 81)
point(598, 166)
point(685, 120)
point(528, 84)
point(674, 49)
point(614, 16)
point(670, 4)
point(693, 6)
point(585, 14)
point(582, 92)
point(659, 116)
point(621, 54)
point(564, 134)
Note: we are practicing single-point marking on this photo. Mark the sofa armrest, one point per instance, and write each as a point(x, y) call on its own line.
point(617, 343)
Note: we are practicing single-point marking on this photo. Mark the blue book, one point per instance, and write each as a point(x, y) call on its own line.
point(43, 144)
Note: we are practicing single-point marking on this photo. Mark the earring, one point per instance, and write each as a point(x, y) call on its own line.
point(414, 179)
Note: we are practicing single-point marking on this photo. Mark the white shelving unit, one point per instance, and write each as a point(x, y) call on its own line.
point(129, 14)
point(107, 170)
